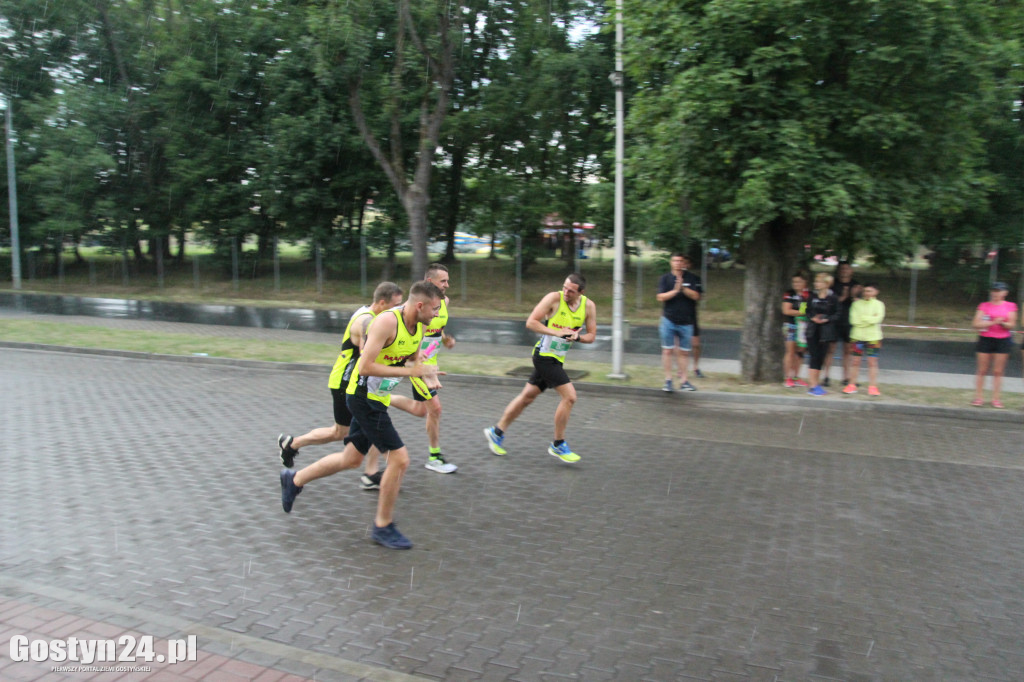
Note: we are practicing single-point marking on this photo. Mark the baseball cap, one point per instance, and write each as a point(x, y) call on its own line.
point(999, 286)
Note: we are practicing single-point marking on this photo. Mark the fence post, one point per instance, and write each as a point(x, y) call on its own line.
point(319, 270)
point(639, 283)
point(913, 294)
point(519, 269)
point(234, 263)
point(160, 262)
point(277, 267)
point(362, 266)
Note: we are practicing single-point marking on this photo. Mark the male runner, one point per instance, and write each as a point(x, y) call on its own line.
point(386, 295)
point(425, 403)
point(558, 317)
point(391, 351)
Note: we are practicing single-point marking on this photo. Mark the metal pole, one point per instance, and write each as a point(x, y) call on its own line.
point(639, 283)
point(12, 197)
point(913, 294)
point(159, 261)
point(464, 278)
point(362, 266)
point(618, 269)
point(519, 269)
point(319, 271)
point(234, 263)
point(277, 267)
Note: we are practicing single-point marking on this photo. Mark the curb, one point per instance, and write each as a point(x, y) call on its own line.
point(633, 392)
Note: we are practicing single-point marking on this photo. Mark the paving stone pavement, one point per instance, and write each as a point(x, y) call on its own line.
point(695, 540)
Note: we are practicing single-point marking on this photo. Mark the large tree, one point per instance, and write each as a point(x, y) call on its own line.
point(395, 60)
point(782, 123)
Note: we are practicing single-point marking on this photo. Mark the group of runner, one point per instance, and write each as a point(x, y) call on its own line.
point(387, 341)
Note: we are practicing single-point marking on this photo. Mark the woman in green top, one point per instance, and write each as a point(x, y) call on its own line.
point(866, 315)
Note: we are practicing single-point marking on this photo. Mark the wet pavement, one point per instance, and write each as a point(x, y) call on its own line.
point(697, 539)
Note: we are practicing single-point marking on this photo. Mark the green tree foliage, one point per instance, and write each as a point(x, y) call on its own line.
point(535, 119)
point(776, 124)
point(222, 119)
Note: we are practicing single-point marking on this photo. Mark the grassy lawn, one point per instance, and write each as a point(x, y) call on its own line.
point(481, 287)
point(86, 336)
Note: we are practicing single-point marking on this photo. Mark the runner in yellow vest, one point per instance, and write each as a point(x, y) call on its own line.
point(560, 318)
point(391, 351)
point(426, 403)
point(386, 295)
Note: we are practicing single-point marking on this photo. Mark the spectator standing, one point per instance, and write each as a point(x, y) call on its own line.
point(994, 319)
point(794, 329)
point(847, 290)
point(866, 316)
point(822, 312)
point(678, 290)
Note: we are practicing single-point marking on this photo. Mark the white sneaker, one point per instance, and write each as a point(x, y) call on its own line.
point(437, 463)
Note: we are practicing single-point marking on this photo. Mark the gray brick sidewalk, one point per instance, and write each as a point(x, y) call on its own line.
point(696, 539)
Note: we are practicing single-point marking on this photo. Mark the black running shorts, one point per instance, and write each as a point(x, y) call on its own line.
point(547, 373)
point(371, 426)
point(342, 415)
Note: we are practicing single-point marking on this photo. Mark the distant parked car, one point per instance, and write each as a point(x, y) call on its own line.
point(717, 254)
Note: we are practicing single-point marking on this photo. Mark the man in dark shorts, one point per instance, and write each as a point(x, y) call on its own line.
point(678, 291)
point(391, 352)
point(424, 403)
point(386, 295)
point(559, 318)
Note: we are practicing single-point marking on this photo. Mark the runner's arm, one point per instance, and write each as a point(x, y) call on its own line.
point(547, 307)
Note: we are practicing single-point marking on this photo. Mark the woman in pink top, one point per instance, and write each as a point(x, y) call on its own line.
point(994, 320)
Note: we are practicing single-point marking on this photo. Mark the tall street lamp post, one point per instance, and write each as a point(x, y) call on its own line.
point(12, 195)
point(618, 270)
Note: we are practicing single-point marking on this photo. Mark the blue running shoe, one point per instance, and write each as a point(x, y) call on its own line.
point(817, 390)
point(494, 441)
point(563, 452)
point(667, 388)
point(390, 537)
point(289, 491)
point(687, 386)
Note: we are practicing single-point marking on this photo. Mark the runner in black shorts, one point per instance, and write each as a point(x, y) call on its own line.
point(390, 352)
point(386, 295)
point(561, 319)
point(547, 373)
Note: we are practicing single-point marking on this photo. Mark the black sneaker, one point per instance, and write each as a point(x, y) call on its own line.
point(825, 382)
point(699, 374)
point(289, 491)
point(288, 453)
point(371, 481)
point(390, 537)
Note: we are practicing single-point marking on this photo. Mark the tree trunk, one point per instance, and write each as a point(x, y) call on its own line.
point(770, 258)
point(415, 200)
point(454, 202)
